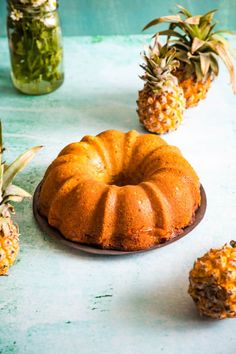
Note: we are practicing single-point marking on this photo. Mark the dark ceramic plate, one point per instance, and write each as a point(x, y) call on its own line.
point(56, 235)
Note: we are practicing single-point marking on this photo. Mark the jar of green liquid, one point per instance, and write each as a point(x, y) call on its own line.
point(35, 44)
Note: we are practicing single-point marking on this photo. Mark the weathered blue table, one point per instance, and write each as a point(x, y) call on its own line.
point(58, 300)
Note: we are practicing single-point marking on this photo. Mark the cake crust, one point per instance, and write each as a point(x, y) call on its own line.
point(124, 191)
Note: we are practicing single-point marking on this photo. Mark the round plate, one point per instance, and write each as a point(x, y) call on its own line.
point(56, 235)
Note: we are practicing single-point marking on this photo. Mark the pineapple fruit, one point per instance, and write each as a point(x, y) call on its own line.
point(9, 232)
point(161, 102)
point(213, 282)
point(197, 47)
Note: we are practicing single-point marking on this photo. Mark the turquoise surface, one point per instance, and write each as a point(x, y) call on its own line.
point(58, 300)
point(109, 17)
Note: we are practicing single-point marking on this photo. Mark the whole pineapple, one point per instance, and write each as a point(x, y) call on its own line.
point(161, 102)
point(198, 47)
point(213, 282)
point(9, 232)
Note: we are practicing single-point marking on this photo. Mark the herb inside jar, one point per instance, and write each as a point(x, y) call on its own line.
point(35, 45)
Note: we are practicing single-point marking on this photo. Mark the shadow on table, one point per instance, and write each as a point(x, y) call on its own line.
point(167, 306)
point(72, 252)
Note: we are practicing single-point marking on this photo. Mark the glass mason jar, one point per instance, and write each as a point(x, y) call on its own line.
point(35, 44)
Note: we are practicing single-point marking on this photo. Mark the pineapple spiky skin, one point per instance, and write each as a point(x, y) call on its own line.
point(213, 282)
point(162, 112)
point(9, 233)
point(9, 244)
point(194, 90)
point(161, 102)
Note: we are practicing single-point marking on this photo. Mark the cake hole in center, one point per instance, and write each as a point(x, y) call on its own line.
point(121, 180)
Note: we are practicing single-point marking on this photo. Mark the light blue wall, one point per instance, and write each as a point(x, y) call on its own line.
point(103, 17)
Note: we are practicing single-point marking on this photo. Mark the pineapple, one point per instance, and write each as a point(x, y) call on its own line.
point(213, 282)
point(161, 102)
point(198, 47)
point(9, 232)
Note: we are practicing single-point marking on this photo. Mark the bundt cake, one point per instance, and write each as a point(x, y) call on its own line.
point(124, 191)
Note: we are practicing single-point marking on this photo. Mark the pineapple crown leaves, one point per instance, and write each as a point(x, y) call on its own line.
point(8, 191)
point(159, 64)
point(197, 44)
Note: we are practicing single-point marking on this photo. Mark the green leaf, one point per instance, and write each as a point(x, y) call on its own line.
point(207, 18)
point(225, 31)
point(191, 30)
point(218, 37)
point(13, 190)
point(18, 165)
point(181, 56)
point(184, 11)
point(214, 64)
point(198, 70)
point(181, 44)
point(1, 180)
point(223, 53)
point(208, 15)
point(168, 19)
point(39, 44)
point(207, 31)
point(194, 20)
point(12, 198)
point(205, 63)
point(197, 44)
point(36, 50)
point(170, 33)
point(1, 142)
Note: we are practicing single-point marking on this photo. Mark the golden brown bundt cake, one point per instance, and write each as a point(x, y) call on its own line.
point(125, 191)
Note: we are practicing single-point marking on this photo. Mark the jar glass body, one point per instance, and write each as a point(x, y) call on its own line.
point(35, 44)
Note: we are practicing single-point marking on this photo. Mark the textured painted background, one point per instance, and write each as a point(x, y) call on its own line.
point(59, 301)
point(102, 17)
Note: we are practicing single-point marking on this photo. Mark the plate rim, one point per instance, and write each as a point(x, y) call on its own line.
point(56, 235)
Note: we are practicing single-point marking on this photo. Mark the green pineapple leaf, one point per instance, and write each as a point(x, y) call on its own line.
point(15, 193)
point(170, 33)
point(221, 50)
point(8, 191)
point(170, 19)
point(18, 165)
point(184, 11)
point(197, 44)
point(12, 198)
point(205, 63)
point(226, 32)
point(214, 64)
point(194, 37)
point(198, 70)
point(193, 20)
